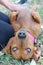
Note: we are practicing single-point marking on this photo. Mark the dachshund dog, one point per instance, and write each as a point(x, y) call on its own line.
point(26, 24)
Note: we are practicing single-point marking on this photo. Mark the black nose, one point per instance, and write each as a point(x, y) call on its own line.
point(22, 34)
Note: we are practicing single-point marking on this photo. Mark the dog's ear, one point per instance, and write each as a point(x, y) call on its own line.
point(7, 49)
point(13, 20)
point(36, 17)
point(13, 16)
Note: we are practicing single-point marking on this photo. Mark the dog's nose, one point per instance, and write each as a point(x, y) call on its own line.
point(22, 34)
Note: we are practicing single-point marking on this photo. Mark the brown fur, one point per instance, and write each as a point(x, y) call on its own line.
point(30, 21)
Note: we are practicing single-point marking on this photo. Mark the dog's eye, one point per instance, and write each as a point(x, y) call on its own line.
point(15, 49)
point(28, 50)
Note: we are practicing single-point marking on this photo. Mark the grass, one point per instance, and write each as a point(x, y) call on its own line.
point(9, 60)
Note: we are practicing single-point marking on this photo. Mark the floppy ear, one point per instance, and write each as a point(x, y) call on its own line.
point(36, 17)
point(13, 16)
point(13, 20)
point(7, 49)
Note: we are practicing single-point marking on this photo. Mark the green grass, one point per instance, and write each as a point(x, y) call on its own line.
point(9, 60)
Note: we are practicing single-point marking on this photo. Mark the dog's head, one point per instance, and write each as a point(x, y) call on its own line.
point(26, 19)
point(26, 24)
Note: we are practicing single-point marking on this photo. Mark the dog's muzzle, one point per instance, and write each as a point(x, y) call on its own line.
point(22, 35)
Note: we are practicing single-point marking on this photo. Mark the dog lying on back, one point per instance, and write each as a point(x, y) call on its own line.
point(26, 24)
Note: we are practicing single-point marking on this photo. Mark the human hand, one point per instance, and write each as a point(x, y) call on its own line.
point(10, 6)
point(5, 3)
point(2, 1)
point(16, 7)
